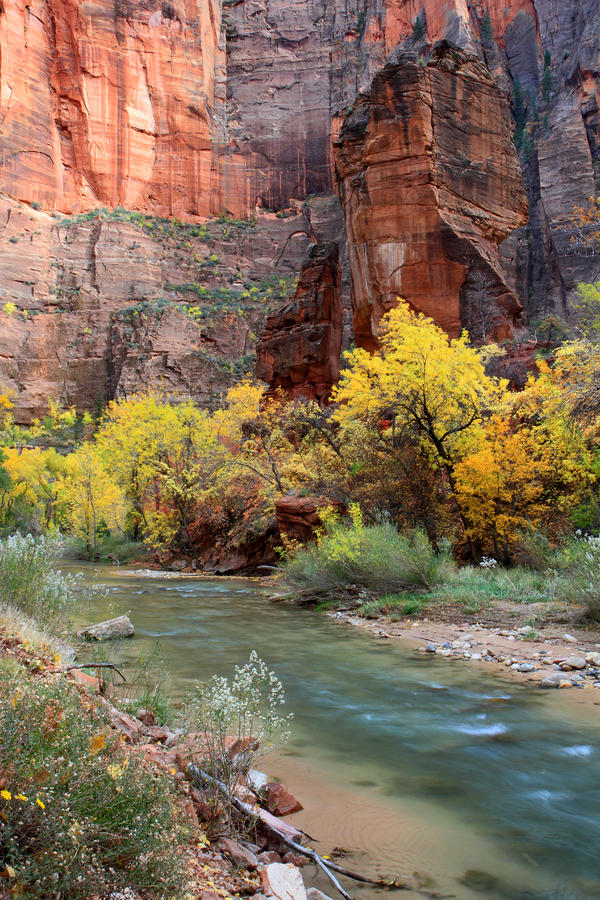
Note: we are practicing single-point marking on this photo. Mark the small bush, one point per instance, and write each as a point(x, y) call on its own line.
point(351, 556)
point(80, 816)
point(248, 707)
point(29, 583)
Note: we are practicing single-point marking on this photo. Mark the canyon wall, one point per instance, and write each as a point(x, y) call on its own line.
point(110, 102)
point(299, 350)
point(192, 108)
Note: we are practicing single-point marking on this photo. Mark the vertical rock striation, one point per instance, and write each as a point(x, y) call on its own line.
point(299, 350)
point(110, 103)
point(430, 185)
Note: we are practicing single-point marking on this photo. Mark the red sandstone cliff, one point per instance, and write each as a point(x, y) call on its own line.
point(430, 185)
point(207, 106)
point(110, 103)
point(299, 350)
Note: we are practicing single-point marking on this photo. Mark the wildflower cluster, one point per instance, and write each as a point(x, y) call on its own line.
point(488, 562)
point(78, 816)
point(247, 709)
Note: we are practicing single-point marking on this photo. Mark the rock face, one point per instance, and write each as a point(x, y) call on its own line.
point(299, 350)
point(110, 103)
point(223, 106)
point(298, 517)
point(430, 186)
point(108, 305)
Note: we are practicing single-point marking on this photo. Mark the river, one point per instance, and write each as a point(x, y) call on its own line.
point(484, 786)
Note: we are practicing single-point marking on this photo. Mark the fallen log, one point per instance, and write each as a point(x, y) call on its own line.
point(326, 865)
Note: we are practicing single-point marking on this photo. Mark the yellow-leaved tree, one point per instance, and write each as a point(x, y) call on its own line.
point(421, 385)
point(165, 456)
point(93, 499)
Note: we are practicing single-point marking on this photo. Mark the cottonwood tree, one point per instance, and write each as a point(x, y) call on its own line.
point(421, 385)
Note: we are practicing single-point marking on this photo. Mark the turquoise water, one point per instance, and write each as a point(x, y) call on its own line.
point(411, 762)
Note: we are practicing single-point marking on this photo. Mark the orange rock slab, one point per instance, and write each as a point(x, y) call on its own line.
point(430, 185)
point(110, 103)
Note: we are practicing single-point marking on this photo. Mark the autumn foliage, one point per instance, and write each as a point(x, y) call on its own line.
point(419, 435)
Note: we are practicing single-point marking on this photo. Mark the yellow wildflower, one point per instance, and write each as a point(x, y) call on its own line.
point(22, 797)
point(97, 743)
point(6, 795)
point(40, 803)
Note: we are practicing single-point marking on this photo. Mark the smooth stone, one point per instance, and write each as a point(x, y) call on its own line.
point(526, 667)
point(283, 881)
point(120, 627)
point(554, 680)
point(256, 780)
point(593, 658)
point(238, 854)
point(569, 638)
point(573, 662)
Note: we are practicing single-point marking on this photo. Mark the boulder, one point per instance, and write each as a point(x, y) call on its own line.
point(257, 780)
point(119, 627)
point(283, 881)
point(238, 854)
point(593, 658)
point(279, 800)
point(146, 716)
point(555, 680)
point(126, 724)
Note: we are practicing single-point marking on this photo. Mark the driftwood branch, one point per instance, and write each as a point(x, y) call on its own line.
point(327, 866)
point(100, 665)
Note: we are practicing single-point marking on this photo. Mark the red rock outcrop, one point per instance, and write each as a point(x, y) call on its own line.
point(298, 517)
point(430, 185)
point(299, 350)
point(111, 103)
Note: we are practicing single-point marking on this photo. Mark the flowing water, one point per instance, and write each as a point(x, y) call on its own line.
point(485, 787)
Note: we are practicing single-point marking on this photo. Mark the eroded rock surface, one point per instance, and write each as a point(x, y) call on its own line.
point(299, 350)
point(430, 185)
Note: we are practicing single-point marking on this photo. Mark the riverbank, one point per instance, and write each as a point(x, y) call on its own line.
point(510, 639)
point(213, 861)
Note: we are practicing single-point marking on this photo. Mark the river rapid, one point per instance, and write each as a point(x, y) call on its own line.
point(483, 786)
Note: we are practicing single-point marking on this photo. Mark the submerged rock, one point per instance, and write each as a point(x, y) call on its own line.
point(120, 627)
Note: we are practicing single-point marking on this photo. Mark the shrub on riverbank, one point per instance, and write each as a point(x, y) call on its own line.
point(80, 815)
point(30, 583)
point(350, 556)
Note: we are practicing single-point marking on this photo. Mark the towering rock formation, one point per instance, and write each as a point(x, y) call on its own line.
point(430, 185)
point(300, 347)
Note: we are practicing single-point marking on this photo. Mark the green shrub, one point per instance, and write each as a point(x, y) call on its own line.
point(80, 815)
point(29, 582)
point(352, 556)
